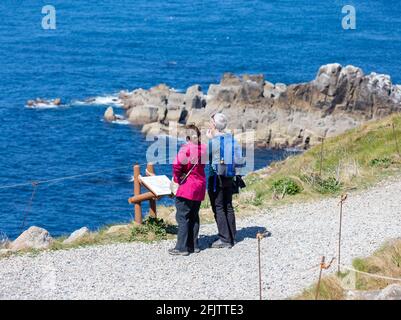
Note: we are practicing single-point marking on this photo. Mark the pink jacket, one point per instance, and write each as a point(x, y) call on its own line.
point(194, 187)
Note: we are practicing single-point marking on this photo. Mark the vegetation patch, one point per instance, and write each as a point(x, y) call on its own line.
point(329, 185)
point(286, 186)
point(152, 229)
point(330, 289)
point(380, 162)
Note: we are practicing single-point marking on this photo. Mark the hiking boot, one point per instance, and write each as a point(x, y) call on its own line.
point(175, 252)
point(219, 244)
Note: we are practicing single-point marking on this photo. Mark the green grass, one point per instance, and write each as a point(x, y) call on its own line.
point(330, 289)
point(357, 159)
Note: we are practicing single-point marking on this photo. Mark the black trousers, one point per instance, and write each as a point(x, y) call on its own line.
point(187, 217)
point(222, 206)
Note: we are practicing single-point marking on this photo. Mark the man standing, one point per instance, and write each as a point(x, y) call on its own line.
point(224, 156)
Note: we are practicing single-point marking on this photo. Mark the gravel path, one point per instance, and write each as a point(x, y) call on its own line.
point(301, 234)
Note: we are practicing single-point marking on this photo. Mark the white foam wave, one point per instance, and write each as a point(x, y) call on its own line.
point(100, 100)
point(120, 121)
point(44, 106)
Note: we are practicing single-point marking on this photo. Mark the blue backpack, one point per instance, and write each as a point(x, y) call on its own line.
point(222, 168)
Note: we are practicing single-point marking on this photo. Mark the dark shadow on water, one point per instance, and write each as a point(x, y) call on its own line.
point(205, 241)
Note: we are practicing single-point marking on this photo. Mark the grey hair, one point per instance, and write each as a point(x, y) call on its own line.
point(220, 120)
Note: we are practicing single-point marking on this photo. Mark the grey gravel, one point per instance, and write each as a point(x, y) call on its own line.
point(300, 235)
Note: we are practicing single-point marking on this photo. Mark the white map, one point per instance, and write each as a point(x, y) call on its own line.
point(159, 185)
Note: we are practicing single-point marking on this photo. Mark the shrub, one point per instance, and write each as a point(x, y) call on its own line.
point(151, 229)
point(323, 185)
point(257, 201)
point(286, 186)
point(380, 162)
point(329, 185)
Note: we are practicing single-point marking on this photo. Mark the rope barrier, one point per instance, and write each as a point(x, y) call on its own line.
point(61, 178)
point(55, 180)
point(370, 274)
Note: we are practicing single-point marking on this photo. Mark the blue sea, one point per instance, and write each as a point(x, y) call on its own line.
point(101, 47)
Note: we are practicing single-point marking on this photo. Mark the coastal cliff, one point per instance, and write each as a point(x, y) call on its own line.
point(338, 99)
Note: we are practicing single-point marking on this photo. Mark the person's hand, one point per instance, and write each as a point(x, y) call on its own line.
point(209, 134)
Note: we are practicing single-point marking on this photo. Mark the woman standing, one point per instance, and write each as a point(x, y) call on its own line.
point(189, 173)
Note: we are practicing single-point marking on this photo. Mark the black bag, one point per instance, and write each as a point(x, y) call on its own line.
point(238, 183)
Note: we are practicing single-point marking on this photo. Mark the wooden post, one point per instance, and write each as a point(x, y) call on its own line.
point(142, 197)
point(137, 192)
point(152, 203)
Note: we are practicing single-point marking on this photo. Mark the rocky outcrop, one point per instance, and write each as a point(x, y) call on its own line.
point(147, 106)
point(33, 238)
point(391, 292)
point(109, 115)
point(142, 115)
point(77, 235)
point(38, 102)
point(280, 115)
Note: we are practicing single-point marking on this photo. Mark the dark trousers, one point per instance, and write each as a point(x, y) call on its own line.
point(222, 206)
point(187, 217)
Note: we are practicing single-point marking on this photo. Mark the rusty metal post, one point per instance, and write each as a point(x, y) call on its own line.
point(343, 198)
point(396, 140)
point(325, 266)
point(260, 236)
point(137, 192)
point(152, 203)
point(322, 264)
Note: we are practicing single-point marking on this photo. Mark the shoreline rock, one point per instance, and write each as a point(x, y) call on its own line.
point(43, 102)
point(77, 235)
point(338, 99)
point(33, 238)
point(118, 228)
point(110, 116)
